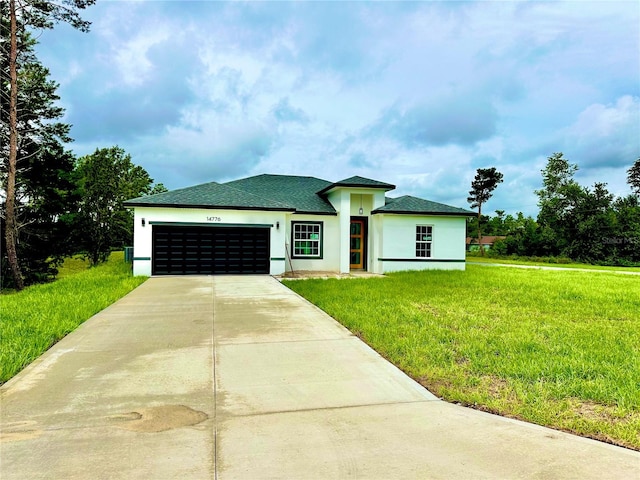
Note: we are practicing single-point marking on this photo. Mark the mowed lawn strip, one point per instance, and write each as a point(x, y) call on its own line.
point(33, 320)
point(582, 266)
point(556, 348)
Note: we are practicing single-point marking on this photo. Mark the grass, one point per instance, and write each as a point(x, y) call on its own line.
point(556, 348)
point(582, 266)
point(39, 316)
point(77, 264)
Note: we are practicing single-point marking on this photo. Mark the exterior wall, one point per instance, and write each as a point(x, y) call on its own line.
point(142, 235)
point(341, 201)
point(369, 199)
point(348, 200)
point(399, 243)
point(391, 238)
point(330, 261)
point(376, 242)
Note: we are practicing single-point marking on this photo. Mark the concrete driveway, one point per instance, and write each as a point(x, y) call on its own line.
point(238, 377)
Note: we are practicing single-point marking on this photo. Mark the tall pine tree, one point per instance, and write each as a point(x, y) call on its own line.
point(633, 177)
point(17, 48)
point(37, 183)
point(482, 187)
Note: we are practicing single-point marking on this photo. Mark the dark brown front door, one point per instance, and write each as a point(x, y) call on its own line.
point(358, 240)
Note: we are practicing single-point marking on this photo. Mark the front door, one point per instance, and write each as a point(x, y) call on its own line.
point(358, 241)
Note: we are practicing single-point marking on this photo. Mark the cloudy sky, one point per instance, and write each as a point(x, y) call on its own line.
point(418, 94)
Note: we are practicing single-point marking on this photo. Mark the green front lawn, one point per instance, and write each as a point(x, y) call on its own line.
point(33, 320)
point(556, 348)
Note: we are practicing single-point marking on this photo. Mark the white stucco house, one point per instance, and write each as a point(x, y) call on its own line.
point(271, 224)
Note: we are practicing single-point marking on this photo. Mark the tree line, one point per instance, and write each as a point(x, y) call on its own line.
point(581, 223)
point(53, 204)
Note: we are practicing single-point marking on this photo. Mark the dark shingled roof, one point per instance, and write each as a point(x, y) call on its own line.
point(358, 182)
point(413, 205)
point(209, 195)
point(285, 193)
point(297, 192)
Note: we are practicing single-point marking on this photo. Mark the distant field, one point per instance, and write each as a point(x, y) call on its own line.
point(39, 316)
point(581, 266)
point(556, 348)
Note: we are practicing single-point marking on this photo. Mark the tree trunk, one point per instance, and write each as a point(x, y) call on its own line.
point(10, 226)
point(479, 232)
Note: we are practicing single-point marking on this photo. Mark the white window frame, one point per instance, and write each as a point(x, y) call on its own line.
point(305, 232)
point(424, 241)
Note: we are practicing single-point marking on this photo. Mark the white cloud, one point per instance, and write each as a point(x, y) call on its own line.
point(210, 90)
point(131, 57)
point(606, 135)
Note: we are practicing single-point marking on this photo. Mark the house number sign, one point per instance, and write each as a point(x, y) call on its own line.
point(214, 219)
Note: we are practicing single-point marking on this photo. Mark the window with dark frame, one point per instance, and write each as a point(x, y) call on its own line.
point(424, 238)
point(307, 239)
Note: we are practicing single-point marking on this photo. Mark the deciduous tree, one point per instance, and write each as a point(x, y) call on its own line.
point(558, 200)
point(107, 178)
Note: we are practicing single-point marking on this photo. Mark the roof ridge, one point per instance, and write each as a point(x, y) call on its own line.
point(245, 192)
point(356, 181)
point(407, 204)
point(277, 175)
point(192, 196)
point(433, 201)
point(299, 192)
point(164, 194)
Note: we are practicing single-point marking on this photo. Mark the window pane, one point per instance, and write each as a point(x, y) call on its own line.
point(306, 239)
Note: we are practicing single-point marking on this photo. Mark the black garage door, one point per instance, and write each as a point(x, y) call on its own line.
point(190, 250)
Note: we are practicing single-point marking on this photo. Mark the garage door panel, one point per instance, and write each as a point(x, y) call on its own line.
point(192, 250)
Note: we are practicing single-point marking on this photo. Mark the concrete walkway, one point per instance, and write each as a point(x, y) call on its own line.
point(239, 378)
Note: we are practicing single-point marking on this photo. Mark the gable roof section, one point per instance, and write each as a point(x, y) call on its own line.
point(297, 192)
point(408, 205)
point(209, 195)
point(358, 182)
point(286, 193)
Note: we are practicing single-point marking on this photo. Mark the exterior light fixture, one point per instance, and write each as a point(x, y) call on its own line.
point(143, 222)
point(277, 225)
point(361, 211)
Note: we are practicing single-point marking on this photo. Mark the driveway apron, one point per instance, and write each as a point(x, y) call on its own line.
point(238, 377)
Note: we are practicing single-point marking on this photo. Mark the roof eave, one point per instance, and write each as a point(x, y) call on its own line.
point(303, 212)
point(439, 214)
point(209, 207)
point(330, 188)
